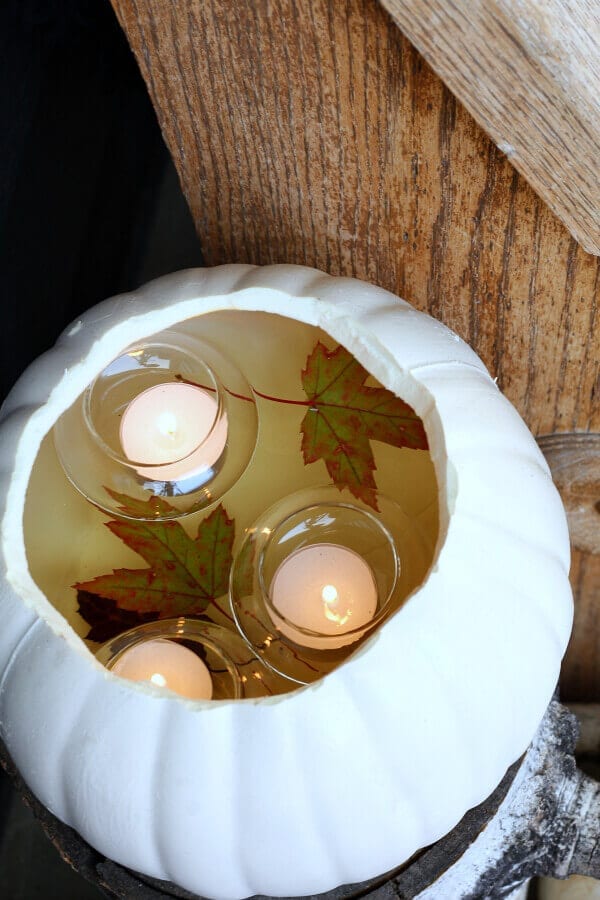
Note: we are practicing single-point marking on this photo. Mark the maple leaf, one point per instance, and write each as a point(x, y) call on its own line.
point(106, 619)
point(186, 574)
point(345, 415)
point(131, 506)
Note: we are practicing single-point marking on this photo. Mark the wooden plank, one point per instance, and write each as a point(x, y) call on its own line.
point(529, 72)
point(574, 461)
point(580, 678)
point(313, 132)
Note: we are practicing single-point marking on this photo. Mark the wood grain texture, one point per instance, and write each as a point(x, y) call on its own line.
point(580, 679)
point(574, 461)
point(312, 132)
point(529, 72)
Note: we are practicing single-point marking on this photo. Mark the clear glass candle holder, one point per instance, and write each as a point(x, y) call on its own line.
point(316, 575)
point(166, 429)
point(193, 658)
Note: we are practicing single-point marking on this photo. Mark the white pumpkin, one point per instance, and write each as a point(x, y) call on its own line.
point(344, 779)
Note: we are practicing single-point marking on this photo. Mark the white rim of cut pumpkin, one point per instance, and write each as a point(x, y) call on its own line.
point(308, 308)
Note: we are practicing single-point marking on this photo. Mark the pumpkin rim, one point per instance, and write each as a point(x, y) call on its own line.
point(71, 385)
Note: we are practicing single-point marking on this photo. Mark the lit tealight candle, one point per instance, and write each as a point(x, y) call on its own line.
point(170, 429)
point(326, 589)
point(167, 665)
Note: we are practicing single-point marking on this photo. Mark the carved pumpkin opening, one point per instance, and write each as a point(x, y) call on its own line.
point(72, 554)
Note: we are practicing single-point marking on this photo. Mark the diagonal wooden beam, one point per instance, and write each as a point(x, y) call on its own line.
point(529, 73)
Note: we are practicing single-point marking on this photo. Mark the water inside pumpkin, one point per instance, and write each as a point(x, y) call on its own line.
point(66, 538)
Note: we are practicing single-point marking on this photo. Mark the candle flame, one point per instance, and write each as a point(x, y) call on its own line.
point(158, 679)
point(167, 424)
point(329, 593)
point(330, 599)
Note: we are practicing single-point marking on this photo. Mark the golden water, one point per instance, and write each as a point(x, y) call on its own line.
point(65, 535)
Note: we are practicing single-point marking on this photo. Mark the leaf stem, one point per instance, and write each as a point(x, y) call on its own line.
point(282, 399)
point(213, 602)
point(206, 387)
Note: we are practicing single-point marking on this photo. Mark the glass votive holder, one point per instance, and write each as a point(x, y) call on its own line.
point(169, 418)
point(193, 658)
point(316, 575)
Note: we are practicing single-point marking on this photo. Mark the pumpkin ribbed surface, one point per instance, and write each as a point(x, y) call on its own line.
point(345, 779)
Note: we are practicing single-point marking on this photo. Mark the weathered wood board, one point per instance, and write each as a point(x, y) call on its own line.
point(529, 72)
point(312, 132)
point(581, 668)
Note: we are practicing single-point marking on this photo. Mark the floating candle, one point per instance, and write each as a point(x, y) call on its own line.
point(173, 431)
point(167, 665)
point(326, 589)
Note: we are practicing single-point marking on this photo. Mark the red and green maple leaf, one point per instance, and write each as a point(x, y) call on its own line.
point(345, 414)
point(186, 575)
point(154, 507)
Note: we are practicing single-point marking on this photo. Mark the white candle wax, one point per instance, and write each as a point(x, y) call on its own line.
point(327, 589)
point(169, 429)
point(167, 665)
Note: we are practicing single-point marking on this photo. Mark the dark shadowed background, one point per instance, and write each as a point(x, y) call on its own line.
point(89, 202)
point(89, 206)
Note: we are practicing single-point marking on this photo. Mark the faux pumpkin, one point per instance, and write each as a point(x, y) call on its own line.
point(345, 779)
